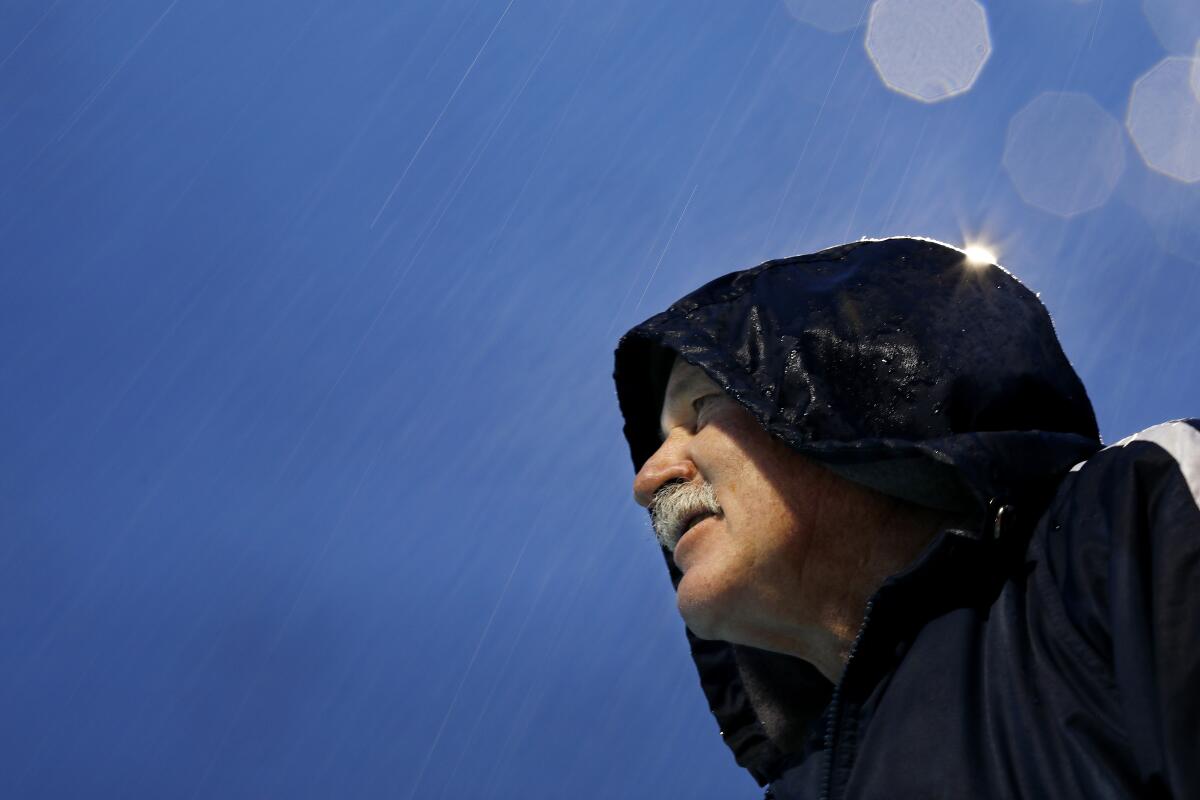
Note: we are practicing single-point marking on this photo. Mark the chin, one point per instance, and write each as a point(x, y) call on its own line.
point(699, 605)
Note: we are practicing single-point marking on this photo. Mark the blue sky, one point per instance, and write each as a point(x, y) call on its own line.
point(312, 482)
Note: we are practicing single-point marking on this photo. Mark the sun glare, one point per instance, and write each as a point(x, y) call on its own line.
point(978, 254)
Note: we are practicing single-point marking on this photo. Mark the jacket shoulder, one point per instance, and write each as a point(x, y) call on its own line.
point(1130, 489)
point(1120, 545)
point(1127, 502)
point(1174, 445)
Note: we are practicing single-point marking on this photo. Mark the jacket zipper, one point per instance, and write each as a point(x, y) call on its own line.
point(835, 706)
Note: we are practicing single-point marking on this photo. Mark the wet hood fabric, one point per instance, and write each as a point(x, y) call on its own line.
point(895, 362)
point(898, 365)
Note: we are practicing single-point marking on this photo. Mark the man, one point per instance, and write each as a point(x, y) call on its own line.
point(906, 566)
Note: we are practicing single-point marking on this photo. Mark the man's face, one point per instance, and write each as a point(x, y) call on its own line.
point(743, 567)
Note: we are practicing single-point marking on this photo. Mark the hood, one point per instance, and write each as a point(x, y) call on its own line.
point(897, 364)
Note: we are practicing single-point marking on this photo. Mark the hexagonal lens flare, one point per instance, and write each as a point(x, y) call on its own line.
point(1064, 153)
point(1196, 73)
point(1170, 208)
point(928, 50)
point(834, 16)
point(1176, 23)
point(1164, 119)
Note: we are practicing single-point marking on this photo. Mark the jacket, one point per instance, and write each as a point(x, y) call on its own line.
point(1047, 642)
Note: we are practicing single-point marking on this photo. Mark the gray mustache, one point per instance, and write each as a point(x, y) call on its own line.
point(675, 503)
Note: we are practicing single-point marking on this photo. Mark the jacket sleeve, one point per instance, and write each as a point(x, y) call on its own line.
point(1138, 503)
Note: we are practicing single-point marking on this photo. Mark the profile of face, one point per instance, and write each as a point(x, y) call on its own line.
point(740, 511)
point(777, 552)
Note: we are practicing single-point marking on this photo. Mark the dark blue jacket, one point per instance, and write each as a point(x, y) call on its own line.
point(1045, 645)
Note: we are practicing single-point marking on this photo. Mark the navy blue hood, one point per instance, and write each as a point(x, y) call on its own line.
point(894, 362)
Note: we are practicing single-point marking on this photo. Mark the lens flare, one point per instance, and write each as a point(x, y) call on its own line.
point(979, 255)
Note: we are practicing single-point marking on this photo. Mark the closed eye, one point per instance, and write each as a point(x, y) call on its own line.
point(699, 403)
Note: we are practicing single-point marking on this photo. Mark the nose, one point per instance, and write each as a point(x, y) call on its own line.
point(668, 463)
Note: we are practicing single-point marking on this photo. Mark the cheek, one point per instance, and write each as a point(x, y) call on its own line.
point(757, 513)
point(768, 541)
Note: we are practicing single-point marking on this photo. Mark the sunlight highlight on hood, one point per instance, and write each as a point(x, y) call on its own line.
point(978, 254)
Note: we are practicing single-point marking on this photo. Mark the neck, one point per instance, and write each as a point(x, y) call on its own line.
point(856, 557)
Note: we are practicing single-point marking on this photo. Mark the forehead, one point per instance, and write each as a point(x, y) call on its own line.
point(685, 379)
